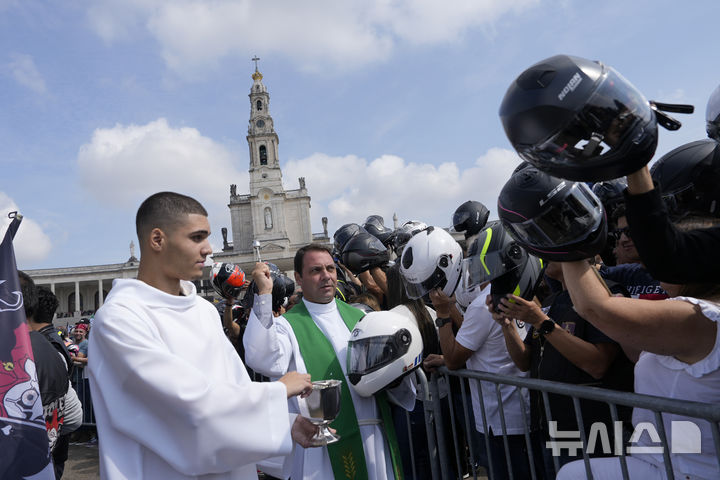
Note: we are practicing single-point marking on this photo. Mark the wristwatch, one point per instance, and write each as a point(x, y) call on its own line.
point(440, 321)
point(546, 327)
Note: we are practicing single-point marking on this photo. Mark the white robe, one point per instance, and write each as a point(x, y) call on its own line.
point(271, 348)
point(172, 398)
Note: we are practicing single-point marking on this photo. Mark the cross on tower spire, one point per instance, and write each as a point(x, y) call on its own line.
point(255, 59)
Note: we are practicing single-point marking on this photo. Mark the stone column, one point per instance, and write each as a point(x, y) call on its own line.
point(52, 287)
point(77, 296)
point(100, 293)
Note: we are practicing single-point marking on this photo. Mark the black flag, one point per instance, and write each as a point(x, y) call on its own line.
point(24, 446)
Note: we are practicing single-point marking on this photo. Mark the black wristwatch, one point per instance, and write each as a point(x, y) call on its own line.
point(440, 321)
point(546, 327)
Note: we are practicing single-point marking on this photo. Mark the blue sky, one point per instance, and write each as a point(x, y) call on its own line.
point(384, 106)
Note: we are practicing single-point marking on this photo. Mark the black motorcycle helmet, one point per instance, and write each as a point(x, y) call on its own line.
point(470, 217)
point(689, 179)
point(712, 115)
point(578, 119)
point(227, 279)
point(494, 256)
point(403, 234)
point(552, 218)
point(610, 193)
point(345, 233)
point(363, 252)
point(283, 288)
point(375, 226)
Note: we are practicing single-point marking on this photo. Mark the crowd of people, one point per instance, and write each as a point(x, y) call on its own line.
point(598, 272)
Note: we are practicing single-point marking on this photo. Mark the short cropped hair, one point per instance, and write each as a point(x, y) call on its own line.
point(47, 304)
point(165, 210)
point(29, 293)
point(300, 255)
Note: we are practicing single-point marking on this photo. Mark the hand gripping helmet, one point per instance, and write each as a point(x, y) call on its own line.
point(689, 179)
point(578, 119)
point(345, 233)
point(554, 219)
point(375, 225)
point(363, 252)
point(283, 288)
point(712, 115)
point(610, 193)
point(497, 258)
point(404, 233)
point(431, 259)
point(470, 217)
point(383, 348)
point(227, 279)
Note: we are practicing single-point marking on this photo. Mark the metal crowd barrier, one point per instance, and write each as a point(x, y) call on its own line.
point(82, 388)
point(435, 421)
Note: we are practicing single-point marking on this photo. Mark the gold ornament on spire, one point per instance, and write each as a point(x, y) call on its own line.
point(257, 76)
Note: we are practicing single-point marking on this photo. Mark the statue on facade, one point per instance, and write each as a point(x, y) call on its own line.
point(302, 183)
point(233, 190)
point(224, 232)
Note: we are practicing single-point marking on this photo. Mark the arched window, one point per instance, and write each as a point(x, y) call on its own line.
point(258, 105)
point(71, 302)
point(268, 218)
point(263, 155)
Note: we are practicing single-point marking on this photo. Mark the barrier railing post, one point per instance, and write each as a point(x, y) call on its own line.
point(429, 396)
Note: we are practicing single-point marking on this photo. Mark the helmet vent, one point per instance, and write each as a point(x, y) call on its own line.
point(539, 77)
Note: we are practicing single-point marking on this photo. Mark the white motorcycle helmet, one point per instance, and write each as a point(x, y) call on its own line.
point(431, 259)
point(383, 347)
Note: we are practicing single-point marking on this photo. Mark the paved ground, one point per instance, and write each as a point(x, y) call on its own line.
point(82, 463)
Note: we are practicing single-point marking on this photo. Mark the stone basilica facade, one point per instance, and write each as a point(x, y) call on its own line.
point(267, 223)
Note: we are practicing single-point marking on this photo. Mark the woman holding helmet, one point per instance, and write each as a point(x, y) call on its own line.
point(678, 338)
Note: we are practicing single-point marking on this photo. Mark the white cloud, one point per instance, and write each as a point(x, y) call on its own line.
point(31, 244)
point(348, 189)
point(194, 35)
point(23, 70)
point(123, 165)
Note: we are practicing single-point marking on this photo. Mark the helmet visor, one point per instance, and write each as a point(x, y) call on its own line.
point(369, 354)
point(564, 221)
point(485, 267)
point(613, 116)
point(459, 220)
point(418, 290)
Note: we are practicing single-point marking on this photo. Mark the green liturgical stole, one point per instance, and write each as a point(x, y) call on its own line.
point(346, 455)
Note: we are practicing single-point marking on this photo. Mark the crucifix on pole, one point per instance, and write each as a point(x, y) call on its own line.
point(255, 59)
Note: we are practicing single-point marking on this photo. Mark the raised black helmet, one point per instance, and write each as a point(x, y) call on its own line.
point(363, 252)
point(552, 218)
point(494, 256)
point(579, 119)
point(470, 218)
point(689, 179)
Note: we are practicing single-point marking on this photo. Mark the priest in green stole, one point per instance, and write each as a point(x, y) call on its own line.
point(313, 338)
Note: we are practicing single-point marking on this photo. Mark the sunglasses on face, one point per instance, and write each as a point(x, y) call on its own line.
point(617, 233)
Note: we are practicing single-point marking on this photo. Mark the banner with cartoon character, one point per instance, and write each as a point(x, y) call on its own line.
point(24, 448)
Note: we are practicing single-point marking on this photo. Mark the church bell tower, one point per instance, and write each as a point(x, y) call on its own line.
point(278, 219)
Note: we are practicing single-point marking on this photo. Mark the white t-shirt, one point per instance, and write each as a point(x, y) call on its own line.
point(481, 334)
